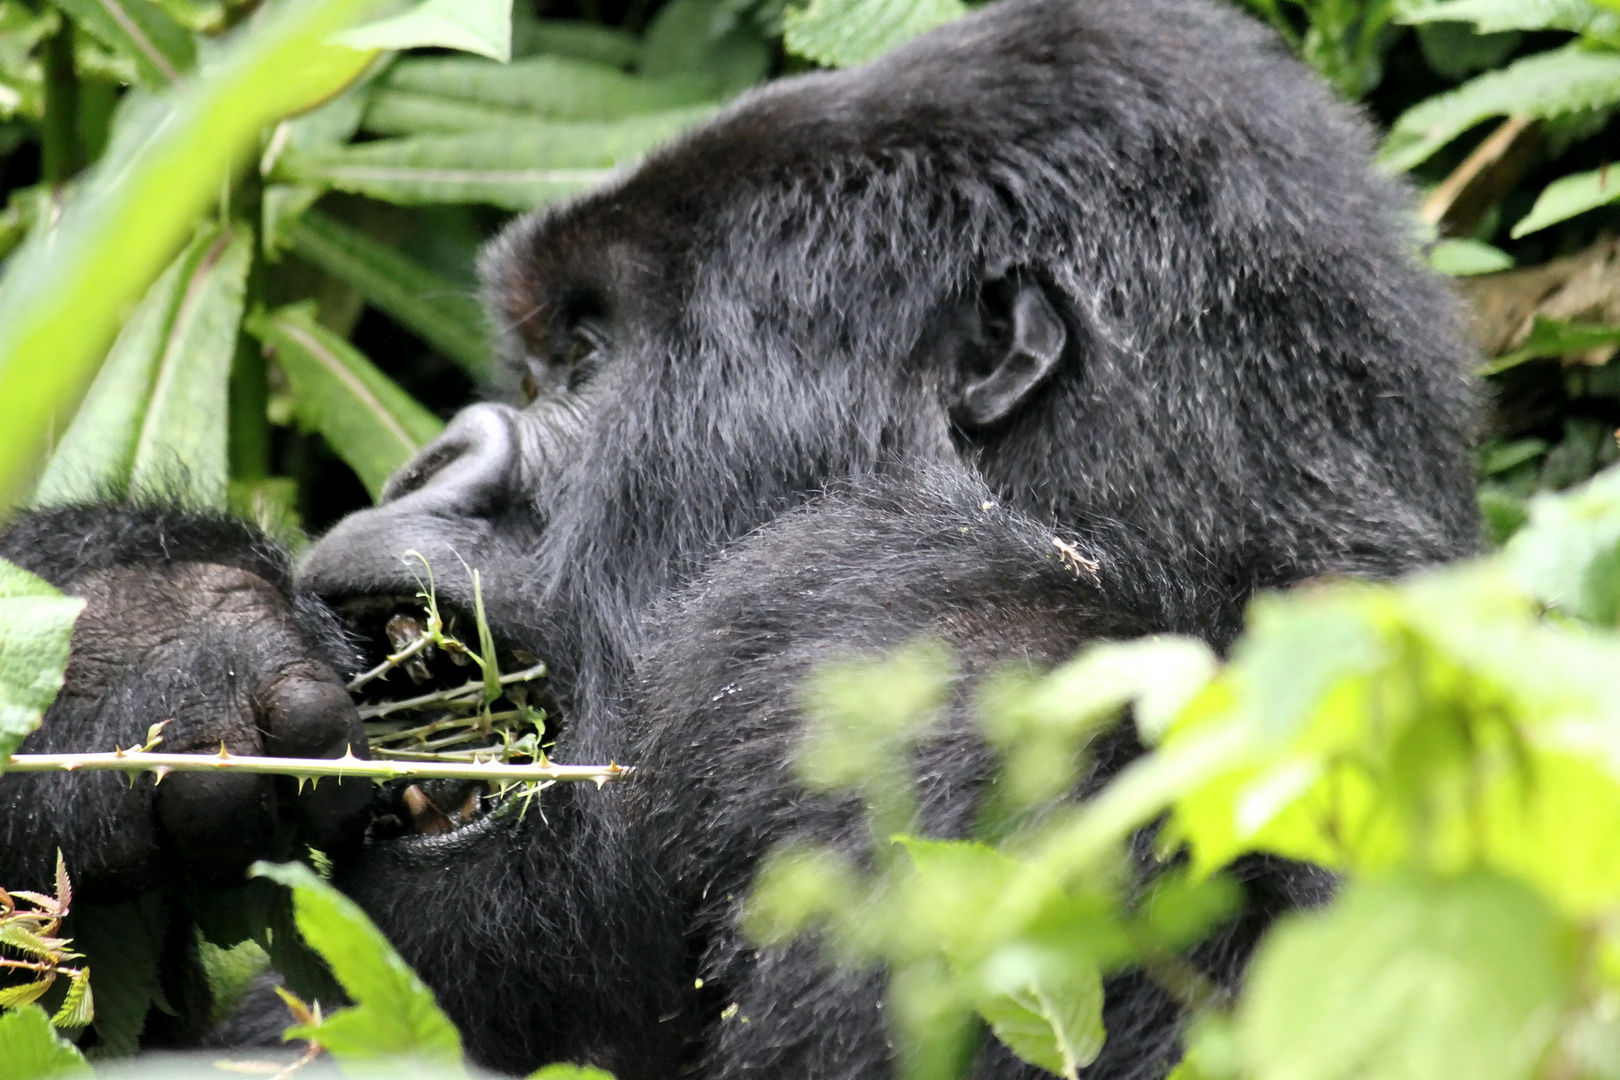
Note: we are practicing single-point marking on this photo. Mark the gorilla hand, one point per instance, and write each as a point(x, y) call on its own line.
point(189, 620)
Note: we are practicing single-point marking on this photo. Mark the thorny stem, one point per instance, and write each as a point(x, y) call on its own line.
point(41, 966)
point(391, 662)
point(445, 697)
point(137, 761)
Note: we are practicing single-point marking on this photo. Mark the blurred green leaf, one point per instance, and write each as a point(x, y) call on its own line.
point(1546, 85)
point(476, 26)
point(1567, 196)
point(694, 39)
point(154, 419)
point(36, 628)
point(161, 49)
point(370, 423)
point(1409, 979)
point(393, 1014)
point(1554, 337)
point(32, 1050)
point(1465, 258)
point(123, 945)
point(580, 40)
point(62, 298)
point(843, 33)
point(570, 1072)
point(1568, 555)
point(517, 167)
point(1048, 1015)
point(445, 316)
point(1492, 16)
point(541, 87)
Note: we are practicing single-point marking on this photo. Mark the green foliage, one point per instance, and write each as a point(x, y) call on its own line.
point(36, 625)
point(476, 26)
point(393, 1014)
point(1563, 199)
point(32, 1050)
point(843, 33)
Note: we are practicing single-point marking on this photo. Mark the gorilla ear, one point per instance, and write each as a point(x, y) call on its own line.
point(1024, 339)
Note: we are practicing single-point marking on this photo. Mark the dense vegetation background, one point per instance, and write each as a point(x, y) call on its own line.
point(249, 230)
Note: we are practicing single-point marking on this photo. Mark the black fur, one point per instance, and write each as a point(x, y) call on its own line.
point(795, 405)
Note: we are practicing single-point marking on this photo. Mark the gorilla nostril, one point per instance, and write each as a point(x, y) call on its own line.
point(466, 470)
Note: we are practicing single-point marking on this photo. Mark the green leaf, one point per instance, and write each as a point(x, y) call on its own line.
point(36, 629)
point(1494, 16)
point(580, 40)
point(1554, 337)
point(122, 944)
point(1048, 1014)
point(1465, 258)
point(161, 49)
point(1567, 196)
point(541, 87)
point(32, 1050)
point(843, 33)
point(1547, 85)
point(516, 167)
point(444, 315)
point(154, 419)
point(1410, 979)
point(681, 42)
point(63, 297)
point(370, 422)
point(1568, 556)
point(78, 1007)
point(394, 1014)
point(570, 1072)
point(476, 26)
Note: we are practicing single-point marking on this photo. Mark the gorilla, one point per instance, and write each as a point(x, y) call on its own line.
point(823, 377)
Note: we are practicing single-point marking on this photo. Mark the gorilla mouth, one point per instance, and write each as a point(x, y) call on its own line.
point(429, 700)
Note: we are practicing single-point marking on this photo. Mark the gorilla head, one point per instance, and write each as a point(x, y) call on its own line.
point(826, 375)
point(1115, 271)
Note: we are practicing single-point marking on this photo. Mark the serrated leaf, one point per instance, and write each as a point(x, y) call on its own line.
point(476, 26)
point(78, 1008)
point(372, 424)
point(843, 33)
point(161, 49)
point(394, 1014)
point(36, 629)
point(1546, 85)
point(13, 997)
point(1407, 979)
point(516, 167)
point(1048, 1015)
point(32, 1050)
point(541, 87)
point(445, 316)
point(154, 419)
point(24, 941)
point(122, 945)
point(1495, 16)
point(1568, 196)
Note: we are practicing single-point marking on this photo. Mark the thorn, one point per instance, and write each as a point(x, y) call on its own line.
point(348, 755)
point(158, 773)
point(118, 751)
point(223, 754)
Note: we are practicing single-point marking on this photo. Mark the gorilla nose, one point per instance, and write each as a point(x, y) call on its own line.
point(467, 471)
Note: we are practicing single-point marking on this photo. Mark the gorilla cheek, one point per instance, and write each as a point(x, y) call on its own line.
point(218, 823)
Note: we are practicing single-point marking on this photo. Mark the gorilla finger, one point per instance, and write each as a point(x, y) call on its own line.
point(218, 823)
point(312, 716)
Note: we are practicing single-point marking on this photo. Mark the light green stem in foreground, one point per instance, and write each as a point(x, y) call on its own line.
point(135, 761)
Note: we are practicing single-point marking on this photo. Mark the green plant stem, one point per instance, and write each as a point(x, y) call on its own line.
point(137, 761)
point(59, 131)
point(443, 697)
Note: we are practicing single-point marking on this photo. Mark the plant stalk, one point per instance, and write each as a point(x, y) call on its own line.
point(137, 761)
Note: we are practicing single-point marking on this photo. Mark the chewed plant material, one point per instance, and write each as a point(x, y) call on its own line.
point(453, 745)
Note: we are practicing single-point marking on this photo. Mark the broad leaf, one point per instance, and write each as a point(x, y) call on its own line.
point(1495, 16)
point(476, 26)
point(1567, 196)
point(62, 298)
point(1409, 979)
point(32, 1050)
point(1048, 1014)
point(1553, 337)
point(154, 419)
point(372, 424)
point(1568, 556)
point(444, 315)
point(1549, 84)
point(1465, 258)
point(541, 87)
point(517, 167)
point(682, 43)
point(394, 1014)
point(161, 49)
point(36, 628)
point(122, 944)
point(843, 33)
point(579, 40)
